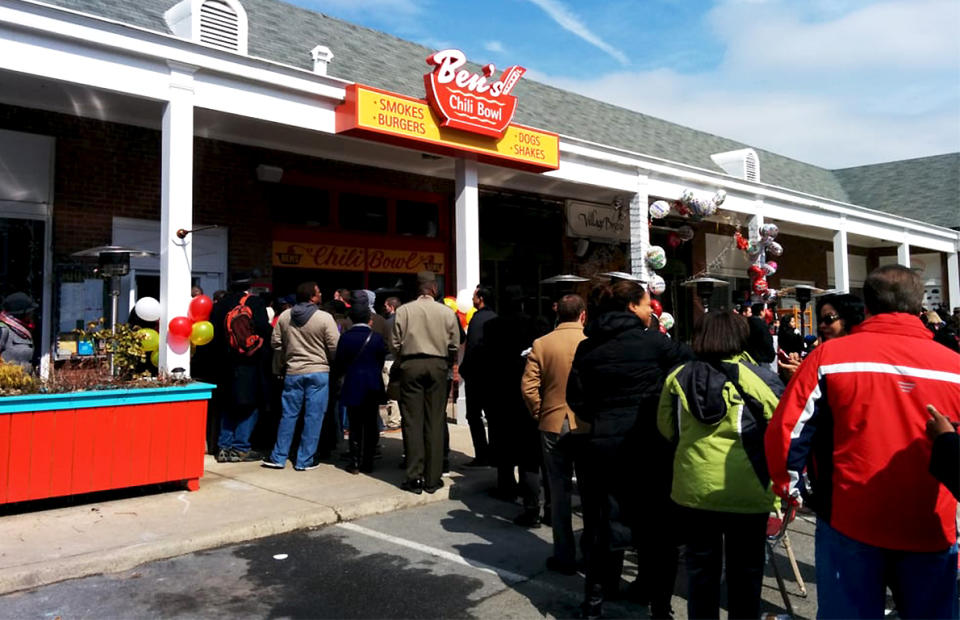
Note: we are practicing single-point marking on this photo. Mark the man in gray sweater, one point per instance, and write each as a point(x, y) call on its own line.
point(306, 338)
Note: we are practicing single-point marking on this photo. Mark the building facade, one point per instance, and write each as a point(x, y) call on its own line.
point(123, 123)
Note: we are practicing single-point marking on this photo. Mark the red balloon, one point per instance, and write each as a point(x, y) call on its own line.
point(755, 271)
point(180, 327)
point(674, 240)
point(657, 306)
point(200, 307)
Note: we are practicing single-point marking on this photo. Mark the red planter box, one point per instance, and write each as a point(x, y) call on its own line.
point(65, 444)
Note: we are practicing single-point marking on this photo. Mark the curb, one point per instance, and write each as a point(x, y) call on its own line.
point(121, 559)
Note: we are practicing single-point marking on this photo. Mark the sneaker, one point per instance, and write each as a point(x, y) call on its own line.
point(249, 456)
point(312, 465)
point(223, 456)
point(272, 465)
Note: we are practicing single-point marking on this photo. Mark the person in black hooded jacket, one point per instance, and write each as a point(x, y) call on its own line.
point(614, 384)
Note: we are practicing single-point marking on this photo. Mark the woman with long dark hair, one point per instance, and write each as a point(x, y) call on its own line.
point(614, 385)
point(716, 410)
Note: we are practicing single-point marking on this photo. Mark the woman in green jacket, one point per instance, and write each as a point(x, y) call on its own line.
point(715, 410)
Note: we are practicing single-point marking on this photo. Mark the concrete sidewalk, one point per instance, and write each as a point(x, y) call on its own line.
point(236, 502)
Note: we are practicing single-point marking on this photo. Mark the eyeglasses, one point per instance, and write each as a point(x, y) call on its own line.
point(829, 319)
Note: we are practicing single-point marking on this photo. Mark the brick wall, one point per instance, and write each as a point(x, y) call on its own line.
point(107, 169)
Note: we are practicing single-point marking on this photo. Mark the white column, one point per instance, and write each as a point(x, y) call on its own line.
point(467, 225)
point(841, 261)
point(467, 243)
point(176, 212)
point(953, 279)
point(755, 222)
point(903, 254)
point(639, 229)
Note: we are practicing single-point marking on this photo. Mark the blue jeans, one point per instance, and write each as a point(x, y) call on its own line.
point(236, 426)
point(852, 578)
point(309, 392)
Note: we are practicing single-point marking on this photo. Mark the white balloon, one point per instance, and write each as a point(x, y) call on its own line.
point(666, 319)
point(656, 285)
point(659, 209)
point(148, 309)
point(465, 300)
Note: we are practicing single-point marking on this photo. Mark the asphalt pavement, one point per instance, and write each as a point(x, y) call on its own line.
point(457, 558)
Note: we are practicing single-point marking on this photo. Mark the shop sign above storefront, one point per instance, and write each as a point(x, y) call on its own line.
point(597, 221)
point(352, 258)
point(469, 117)
point(467, 100)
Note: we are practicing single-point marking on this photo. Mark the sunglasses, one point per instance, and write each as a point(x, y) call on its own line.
point(829, 319)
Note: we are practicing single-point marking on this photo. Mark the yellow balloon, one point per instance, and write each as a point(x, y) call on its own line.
point(470, 314)
point(155, 358)
point(149, 340)
point(450, 302)
point(202, 333)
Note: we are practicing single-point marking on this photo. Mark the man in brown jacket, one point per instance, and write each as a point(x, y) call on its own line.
point(544, 388)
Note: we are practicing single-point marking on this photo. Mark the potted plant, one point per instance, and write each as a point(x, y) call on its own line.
point(89, 428)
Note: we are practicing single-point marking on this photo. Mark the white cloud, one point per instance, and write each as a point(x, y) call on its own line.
point(494, 46)
point(570, 22)
point(889, 35)
point(877, 83)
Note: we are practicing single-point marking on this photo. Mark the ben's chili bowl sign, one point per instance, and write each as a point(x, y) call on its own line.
point(469, 101)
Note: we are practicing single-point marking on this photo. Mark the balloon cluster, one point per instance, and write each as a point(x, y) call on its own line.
point(656, 259)
point(462, 304)
point(689, 206)
point(194, 329)
point(760, 268)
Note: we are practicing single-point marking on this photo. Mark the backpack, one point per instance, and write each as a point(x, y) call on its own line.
point(242, 336)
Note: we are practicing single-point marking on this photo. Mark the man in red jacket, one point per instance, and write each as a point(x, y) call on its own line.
point(848, 437)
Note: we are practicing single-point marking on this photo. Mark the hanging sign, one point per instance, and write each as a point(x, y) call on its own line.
point(597, 221)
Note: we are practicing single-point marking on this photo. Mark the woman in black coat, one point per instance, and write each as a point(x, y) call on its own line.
point(614, 384)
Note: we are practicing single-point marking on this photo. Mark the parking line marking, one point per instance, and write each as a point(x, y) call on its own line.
point(506, 575)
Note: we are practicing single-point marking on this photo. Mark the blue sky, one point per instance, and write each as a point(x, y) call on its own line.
point(835, 83)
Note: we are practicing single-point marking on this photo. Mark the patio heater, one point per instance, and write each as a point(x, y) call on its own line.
point(803, 293)
point(113, 262)
point(705, 288)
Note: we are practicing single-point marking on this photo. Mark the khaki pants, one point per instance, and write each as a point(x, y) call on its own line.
point(390, 412)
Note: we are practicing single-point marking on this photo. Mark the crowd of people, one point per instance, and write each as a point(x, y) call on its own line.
point(669, 445)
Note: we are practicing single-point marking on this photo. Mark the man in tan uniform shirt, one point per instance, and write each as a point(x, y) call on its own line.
point(426, 338)
point(544, 388)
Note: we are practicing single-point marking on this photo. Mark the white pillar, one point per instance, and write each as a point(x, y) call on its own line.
point(176, 212)
point(467, 243)
point(903, 254)
point(639, 229)
point(841, 262)
point(953, 279)
point(755, 222)
point(467, 225)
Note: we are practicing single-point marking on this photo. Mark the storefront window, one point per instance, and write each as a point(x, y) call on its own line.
point(417, 218)
point(363, 213)
point(21, 266)
point(300, 205)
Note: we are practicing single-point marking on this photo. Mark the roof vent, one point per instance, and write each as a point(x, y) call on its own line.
point(321, 58)
point(218, 23)
point(742, 163)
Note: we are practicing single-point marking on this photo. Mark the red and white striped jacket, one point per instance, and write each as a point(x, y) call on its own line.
point(854, 416)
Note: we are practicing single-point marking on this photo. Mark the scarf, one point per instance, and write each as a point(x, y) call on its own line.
point(15, 325)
